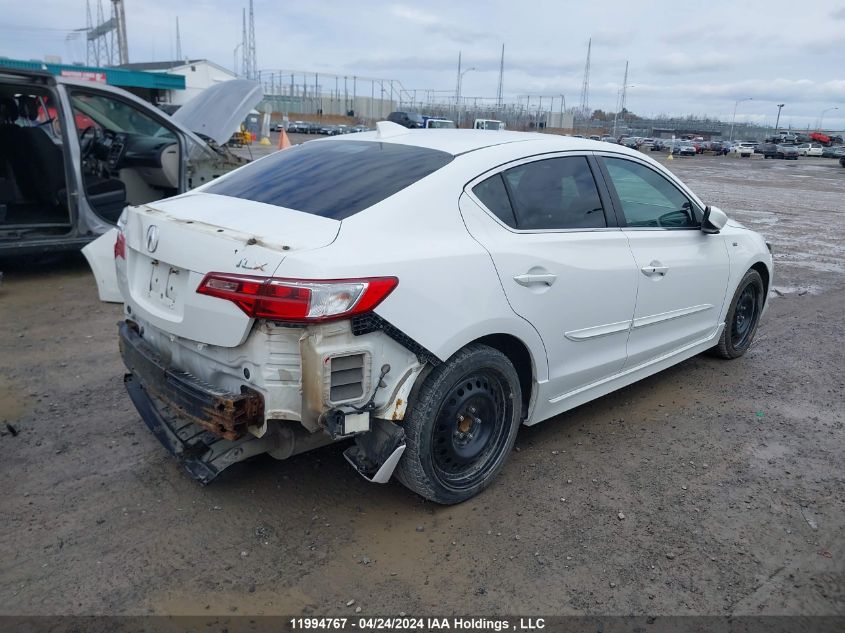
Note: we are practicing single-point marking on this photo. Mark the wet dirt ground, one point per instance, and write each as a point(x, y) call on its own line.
point(729, 475)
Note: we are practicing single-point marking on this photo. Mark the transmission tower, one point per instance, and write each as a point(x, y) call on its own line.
point(244, 48)
point(585, 89)
point(100, 37)
point(501, 79)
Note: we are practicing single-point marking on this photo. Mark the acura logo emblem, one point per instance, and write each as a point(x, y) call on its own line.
point(152, 238)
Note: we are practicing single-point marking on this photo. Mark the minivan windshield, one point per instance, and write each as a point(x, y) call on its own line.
point(332, 179)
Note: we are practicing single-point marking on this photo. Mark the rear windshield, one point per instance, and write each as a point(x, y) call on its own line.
point(332, 179)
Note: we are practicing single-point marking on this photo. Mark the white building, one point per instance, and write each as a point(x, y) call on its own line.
point(199, 74)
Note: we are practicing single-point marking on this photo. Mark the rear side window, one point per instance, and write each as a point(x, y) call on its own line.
point(556, 193)
point(493, 194)
point(332, 179)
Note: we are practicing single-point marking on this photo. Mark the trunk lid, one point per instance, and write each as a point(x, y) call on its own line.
point(171, 244)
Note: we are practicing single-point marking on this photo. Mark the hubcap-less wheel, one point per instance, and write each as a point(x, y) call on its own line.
point(745, 316)
point(471, 429)
point(461, 424)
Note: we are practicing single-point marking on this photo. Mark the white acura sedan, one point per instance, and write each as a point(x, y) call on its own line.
point(422, 293)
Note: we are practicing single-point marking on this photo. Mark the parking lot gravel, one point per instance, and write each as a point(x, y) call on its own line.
point(711, 488)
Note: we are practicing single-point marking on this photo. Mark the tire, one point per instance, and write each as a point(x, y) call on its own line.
point(743, 317)
point(461, 426)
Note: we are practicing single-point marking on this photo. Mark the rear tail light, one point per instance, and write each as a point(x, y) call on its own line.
point(298, 300)
point(120, 246)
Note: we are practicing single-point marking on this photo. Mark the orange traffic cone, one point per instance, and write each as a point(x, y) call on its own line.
point(284, 141)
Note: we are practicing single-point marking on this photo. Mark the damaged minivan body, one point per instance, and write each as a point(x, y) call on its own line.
point(75, 153)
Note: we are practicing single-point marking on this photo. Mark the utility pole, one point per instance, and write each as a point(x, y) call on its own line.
point(733, 119)
point(501, 80)
point(253, 58)
point(178, 41)
point(122, 45)
point(458, 83)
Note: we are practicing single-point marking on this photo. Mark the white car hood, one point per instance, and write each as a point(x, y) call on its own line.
point(218, 111)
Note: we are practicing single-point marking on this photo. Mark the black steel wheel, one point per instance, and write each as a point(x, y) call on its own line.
point(460, 428)
point(743, 317)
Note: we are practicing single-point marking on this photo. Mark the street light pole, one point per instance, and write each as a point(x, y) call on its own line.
point(821, 118)
point(235, 59)
point(461, 85)
point(777, 121)
point(733, 120)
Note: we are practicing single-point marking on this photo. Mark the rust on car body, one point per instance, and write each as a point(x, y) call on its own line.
point(224, 414)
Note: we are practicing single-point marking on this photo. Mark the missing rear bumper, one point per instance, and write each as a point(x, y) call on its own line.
point(226, 415)
point(202, 453)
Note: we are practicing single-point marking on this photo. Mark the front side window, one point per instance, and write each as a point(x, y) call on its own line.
point(649, 199)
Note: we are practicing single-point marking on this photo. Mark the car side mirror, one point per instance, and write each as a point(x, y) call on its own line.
point(714, 220)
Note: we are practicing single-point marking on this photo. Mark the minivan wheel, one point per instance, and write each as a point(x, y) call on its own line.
point(461, 426)
point(743, 317)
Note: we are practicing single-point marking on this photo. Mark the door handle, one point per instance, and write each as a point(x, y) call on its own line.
point(529, 279)
point(654, 269)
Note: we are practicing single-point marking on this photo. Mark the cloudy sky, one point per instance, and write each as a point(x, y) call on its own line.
point(692, 57)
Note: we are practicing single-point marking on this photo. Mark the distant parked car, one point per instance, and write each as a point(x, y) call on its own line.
point(768, 150)
point(298, 127)
point(658, 145)
point(810, 149)
point(787, 152)
point(684, 148)
point(608, 139)
point(743, 148)
point(440, 123)
point(831, 152)
point(407, 119)
point(359, 128)
point(488, 124)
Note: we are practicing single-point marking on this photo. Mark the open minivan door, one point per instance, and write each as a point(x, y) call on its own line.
point(200, 129)
point(74, 153)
